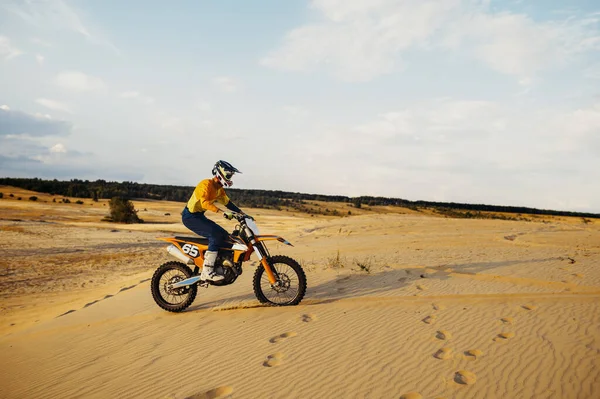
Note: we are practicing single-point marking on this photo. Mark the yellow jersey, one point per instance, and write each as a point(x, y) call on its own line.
point(205, 194)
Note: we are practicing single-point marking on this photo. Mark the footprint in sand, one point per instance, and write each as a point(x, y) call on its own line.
point(438, 306)
point(504, 336)
point(473, 354)
point(421, 287)
point(429, 319)
point(273, 360)
point(411, 395)
point(220, 392)
point(507, 320)
point(283, 336)
point(444, 354)
point(443, 335)
point(529, 307)
point(465, 377)
point(307, 318)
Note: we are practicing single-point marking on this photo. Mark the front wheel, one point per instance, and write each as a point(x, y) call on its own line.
point(290, 287)
point(167, 297)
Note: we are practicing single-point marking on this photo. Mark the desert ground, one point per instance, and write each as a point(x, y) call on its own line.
point(400, 304)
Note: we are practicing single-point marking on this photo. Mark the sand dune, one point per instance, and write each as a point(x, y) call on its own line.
point(398, 305)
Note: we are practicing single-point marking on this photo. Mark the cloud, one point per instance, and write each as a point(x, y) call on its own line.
point(40, 42)
point(58, 149)
point(52, 15)
point(21, 123)
point(136, 95)
point(358, 40)
point(203, 106)
point(464, 150)
point(40, 59)
point(592, 72)
point(225, 83)
point(53, 105)
point(79, 82)
point(295, 111)
point(7, 50)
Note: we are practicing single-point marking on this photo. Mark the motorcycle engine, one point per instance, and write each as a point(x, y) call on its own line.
point(224, 267)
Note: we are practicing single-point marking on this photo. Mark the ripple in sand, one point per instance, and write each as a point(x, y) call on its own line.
point(465, 377)
point(444, 354)
point(504, 336)
point(282, 337)
point(273, 360)
point(529, 307)
point(411, 395)
point(443, 334)
point(473, 354)
point(220, 392)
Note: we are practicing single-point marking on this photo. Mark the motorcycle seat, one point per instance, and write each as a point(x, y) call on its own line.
point(197, 240)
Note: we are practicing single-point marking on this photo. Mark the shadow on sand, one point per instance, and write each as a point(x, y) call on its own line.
point(360, 284)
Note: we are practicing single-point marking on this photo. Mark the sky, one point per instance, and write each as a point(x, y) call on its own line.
point(475, 101)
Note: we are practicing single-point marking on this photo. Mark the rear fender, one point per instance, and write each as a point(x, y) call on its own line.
point(192, 250)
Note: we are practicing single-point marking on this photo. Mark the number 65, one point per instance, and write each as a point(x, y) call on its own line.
point(190, 249)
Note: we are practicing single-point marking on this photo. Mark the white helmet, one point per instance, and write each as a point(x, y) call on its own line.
point(224, 171)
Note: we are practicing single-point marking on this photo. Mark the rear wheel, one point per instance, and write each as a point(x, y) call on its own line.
point(289, 289)
point(168, 298)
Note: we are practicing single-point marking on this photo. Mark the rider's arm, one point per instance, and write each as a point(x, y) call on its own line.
point(232, 207)
point(224, 199)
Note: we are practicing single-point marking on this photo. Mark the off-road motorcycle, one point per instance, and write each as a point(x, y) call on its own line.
point(278, 280)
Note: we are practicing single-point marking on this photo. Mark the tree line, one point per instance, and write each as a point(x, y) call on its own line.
point(274, 199)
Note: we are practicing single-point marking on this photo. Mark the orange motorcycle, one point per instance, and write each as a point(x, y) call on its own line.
point(278, 280)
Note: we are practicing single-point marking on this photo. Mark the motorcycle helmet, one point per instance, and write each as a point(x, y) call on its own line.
point(224, 171)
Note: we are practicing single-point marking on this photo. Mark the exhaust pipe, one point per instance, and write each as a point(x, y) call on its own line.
point(173, 250)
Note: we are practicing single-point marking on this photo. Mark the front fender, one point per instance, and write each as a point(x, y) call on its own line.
point(270, 237)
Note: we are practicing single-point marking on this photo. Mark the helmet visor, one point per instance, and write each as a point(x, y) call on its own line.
point(228, 175)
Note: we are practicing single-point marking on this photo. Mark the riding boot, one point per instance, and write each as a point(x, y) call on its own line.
point(208, 271)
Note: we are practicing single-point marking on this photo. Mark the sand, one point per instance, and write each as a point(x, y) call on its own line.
point(399, 304)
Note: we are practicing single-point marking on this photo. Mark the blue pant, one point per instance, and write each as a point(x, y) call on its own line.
point(201, 225)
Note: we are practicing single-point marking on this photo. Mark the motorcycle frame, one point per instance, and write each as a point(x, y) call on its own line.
point(254, 245)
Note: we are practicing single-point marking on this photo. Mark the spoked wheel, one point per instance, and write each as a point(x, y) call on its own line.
point(289, 289)
point(167, 297)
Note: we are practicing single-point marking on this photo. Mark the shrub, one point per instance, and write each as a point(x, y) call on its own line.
point(19, 198)
point(364, 265)
point(1, 195)
point(336, 262)
point(80, 202)
point(122, 211)
point(11, 195)
point(33, 198)
point(66, 200)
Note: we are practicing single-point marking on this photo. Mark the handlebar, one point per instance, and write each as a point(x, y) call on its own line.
point(238, 216)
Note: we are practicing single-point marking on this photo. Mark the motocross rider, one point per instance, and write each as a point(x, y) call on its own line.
point(205, 194)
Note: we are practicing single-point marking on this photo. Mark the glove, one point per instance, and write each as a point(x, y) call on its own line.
point(228, 215)
point(248, 216)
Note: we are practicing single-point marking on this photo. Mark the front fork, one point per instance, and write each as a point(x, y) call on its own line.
point(271, 275)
